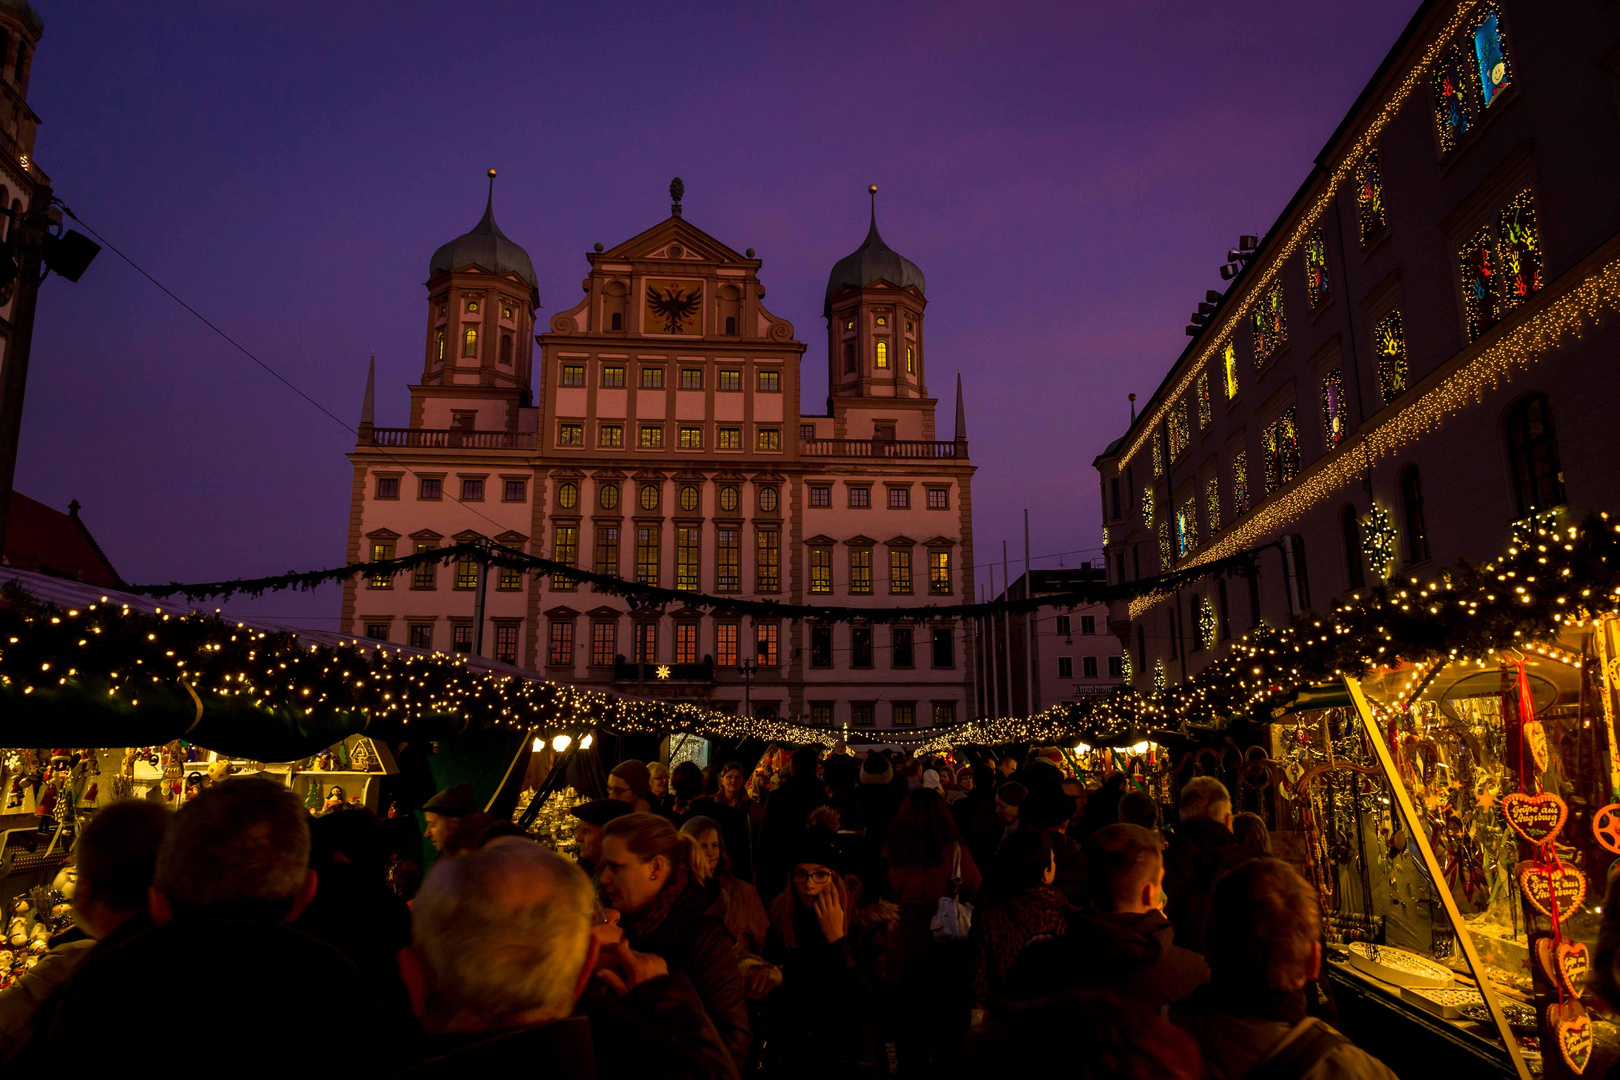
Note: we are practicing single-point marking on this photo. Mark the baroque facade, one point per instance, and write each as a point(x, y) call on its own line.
point(21, 178)
point(654, 431)
point(1419, 353)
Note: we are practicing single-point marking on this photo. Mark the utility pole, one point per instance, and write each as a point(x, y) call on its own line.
point(1006, 624)
point(1029, 626)
point(994, 663)
point(478, 599)
point(747, 668)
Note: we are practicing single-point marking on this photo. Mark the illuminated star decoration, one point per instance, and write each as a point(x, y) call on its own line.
point(663, 671)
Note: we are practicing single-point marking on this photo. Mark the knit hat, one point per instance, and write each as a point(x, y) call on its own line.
point(1012, 793)
point(601, 811)
point(930, 779)
point(817, 846)
point(455, 801)
point(634, 773)
point(876, 769)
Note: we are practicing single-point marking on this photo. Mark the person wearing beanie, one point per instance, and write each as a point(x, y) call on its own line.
point(454, 822)
point(589, 818)
point(628, 783)
point(930, 780)
point(877, 795)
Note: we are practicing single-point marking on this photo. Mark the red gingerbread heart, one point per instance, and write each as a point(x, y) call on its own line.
point(1537, 818)
point(1568, 963)
point(1535, 737)
point(1572, 1029)
point(1543, 883)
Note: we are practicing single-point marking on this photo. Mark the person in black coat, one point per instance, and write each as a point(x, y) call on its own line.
point(1200, 849)
point(877, 795)
point(785, 812)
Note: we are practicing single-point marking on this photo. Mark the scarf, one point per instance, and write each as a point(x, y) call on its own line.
point(641, 924)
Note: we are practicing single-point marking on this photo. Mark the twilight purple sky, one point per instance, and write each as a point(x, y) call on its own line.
point(1068, 176)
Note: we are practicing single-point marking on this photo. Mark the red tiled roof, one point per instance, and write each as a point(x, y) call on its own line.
point(51, 542)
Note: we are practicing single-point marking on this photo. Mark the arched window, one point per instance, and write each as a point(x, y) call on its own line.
point(469, 342)
point(1353, 572)
point(1538, 479)
point(1417, 535)
point(438, 348)
point(883, 354)
point(506, 349)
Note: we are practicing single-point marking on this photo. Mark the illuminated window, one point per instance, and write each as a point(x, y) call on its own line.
point(1240, 484)
point(686, 557)
point(1316, 273)
point(425, 575)
point(648, 496)
point(613, 375)
point(469, 342)
point(1178, 429)
point(691, 378)
point(1389, 343)
point(1205, 416)
point(607, 496)
point(607, 550)
point(1490, 56)
point(1158, 453)
point(1270, 325)
point(472, 306)
point(768, 500)
point(564, 549)
point(768, 438)
point(604, 642)
point(1334, 419)
point(860, 571)
point(883, 354)
point(821, 569)
point(861, 714)
point(939, 498)
point(466, 573)
point(511, 580)
point(1538, 478)
point(1164, 545)
point(647, 537)
point(1369, 198)
point(1518, 251)
point(860, 497)
point(645, 642)
point(1279, 442)
point(652, 436)
point(899, 572)
point(903, 714)
point(690, 496)
point(652, 378)
point(769, 382)
point(506, 643)
point(1212, 504)
point(1456, 90)
point(1186, 528)
point(939, 572)
point(691, 438)
point(381, 551)
point(729, 438)
point(899, 498)
point(506, 313)
point(820, 495)
point(766, 638)
point(686, 642)
point(725, 644)
point(1478, 259)
point(729, 498)
point(560, 647)
point(727, 561)
point(768, 561)
point(1229, 365)
point(567, 495)
point(431, 488)
point(610, 435)
point(730, 380)
point(570, 434)
point(438, 347)
point(911, 360)
point(883, 320)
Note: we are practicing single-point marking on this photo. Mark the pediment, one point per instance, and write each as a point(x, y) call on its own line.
point(562, 611)
point(604, 612)
point(939, 541)
point(673, 240)
point(509, 538)
point(821, 540)
point(609, 474)
point(382, 534)
point(467, 536)
point(426, 535)
point(568, 474)
point(900, 541)
point(861, 541)
point(649, 474)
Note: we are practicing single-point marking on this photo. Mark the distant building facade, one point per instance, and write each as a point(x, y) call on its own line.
point(20, 174)
point(1411, 361)
point(657, 434)
point(1075, 655)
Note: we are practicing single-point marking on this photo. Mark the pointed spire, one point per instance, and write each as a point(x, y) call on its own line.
point(873, 238)
point(961, 410)
point(486, 224)
point(368, 407)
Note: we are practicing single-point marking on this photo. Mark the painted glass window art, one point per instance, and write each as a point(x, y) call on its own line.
point(1270, 325)
point(1478, 259)
point(1279, 443)
point(1164, 545)
point(1490, 54)
point(1240, 483)
point(1186, 528)
point(1518, 251)
point(1158, 454)
point(1389, 342)
point(1147, 507)
point(1212, 504)
point(1229, 365)
point(1180, 433)
point(1369, 198)
point(1204, 415)
point(1455, 106)
point(1333, 412)
point(1316, 274)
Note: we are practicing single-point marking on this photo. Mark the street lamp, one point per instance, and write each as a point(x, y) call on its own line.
point(747, 669)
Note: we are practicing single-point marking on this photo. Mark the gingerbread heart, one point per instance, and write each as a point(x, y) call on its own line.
point(1544, 883)
point(1535, 737)
point(1572, 1029)
point(1567, 963)
point(1537, 818)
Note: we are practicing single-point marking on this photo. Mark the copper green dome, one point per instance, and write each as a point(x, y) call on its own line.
point(485, 247)
point(872, 261)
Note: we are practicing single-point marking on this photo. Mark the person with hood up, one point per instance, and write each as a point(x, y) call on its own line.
point(1032, 910)
point(657, 879)
point(1201, 848)
point(1125, 945)
point(819, 1020)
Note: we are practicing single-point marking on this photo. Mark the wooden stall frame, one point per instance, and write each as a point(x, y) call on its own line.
point(1420, 837)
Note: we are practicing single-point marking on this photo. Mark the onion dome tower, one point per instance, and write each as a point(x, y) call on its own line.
point(874, 311)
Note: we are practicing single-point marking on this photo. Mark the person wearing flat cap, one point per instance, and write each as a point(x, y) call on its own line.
point(628, 782)
point(455, 823)
point(589, 818)
point(819, 1017)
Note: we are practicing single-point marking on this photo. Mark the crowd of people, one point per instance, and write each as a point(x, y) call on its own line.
point(818, 915)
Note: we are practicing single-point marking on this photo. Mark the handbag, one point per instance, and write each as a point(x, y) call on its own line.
point(954, 918)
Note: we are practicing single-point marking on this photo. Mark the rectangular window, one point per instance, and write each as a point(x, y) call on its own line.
point(691, 378)
point(1240, 483)
point(807, 431)
point(821, 713)
point(510, 579)
point(515, 491)
point(466, 573)
point(377, 631)
point(768, 569)
point(899, 572)
point(944, 713)
point(1270, 326)
point(903, 714)
point(570, 434)
point(1369, 198)
point(939, 498)
point(686, 642)
point(1089, 666)
point(604, 643)
point(387, 487)
point(612, 375)
point(1065, 667)
point(1116, 667)
point(644, 636)
point(1456, 95)
point(900, 652)
point(686, 557)
point(691, 438)
point(820, 495)
point(431, 488)
point(472, 489)
point(1205, 416)
point(572, 375)
point(728, 438)
point(1335, 419)
point(944, 648)
point(1062, 627)
point(1389, 344)
point(421, 635)
point(607, 550)
point(1088, 624)
point(506, 643)
point(727, 561)
point(939, 573)
point(652, 436)
point(725, 644)
point(1279, 443)
point(381, 552)
point(1186, 528)
point(461, 637)
point(860, 646)
point(1180, 432)
point(860, 714)
point(860, 497)
point(564, 549)
point(770, 382)
point(610, 435)
point(647, 554)
point(860, 571)
point(821, 569)
point(652, 378)
point(899, 498)
point(730, 380)
point(766, 637)
point(425, 575)
point(768, 438)
point(560, 649)
point(821, 646)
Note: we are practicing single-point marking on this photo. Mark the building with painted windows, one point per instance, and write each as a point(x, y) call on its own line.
point(1075, 655)
point(654, 431)
point(1421, 351)
point(21, 178)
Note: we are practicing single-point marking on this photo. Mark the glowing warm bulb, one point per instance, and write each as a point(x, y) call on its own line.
point(560, 743)
point(585, 743)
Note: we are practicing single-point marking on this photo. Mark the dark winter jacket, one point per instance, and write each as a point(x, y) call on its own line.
point(1198, 852)
point(734, 831)
point(819, 1020)
point(659, 1030)
point(1002, 931)
point(879, 804)
point(1238, 1031)
point(785, 812)
point(1130, 954)
point(693, 940)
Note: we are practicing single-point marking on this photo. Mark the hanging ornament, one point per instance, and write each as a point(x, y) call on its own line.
point(1606, 827)
point(1537, 818)
point(1565, 962)
point(1573, 1030)
point(1378, 541)
point(1535, 737)
point(1545, 885)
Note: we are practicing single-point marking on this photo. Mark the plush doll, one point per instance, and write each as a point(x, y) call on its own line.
point(335, 800)
point(66, 881)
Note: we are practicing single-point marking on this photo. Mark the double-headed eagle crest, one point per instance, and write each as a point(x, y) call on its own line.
point(674, 306)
